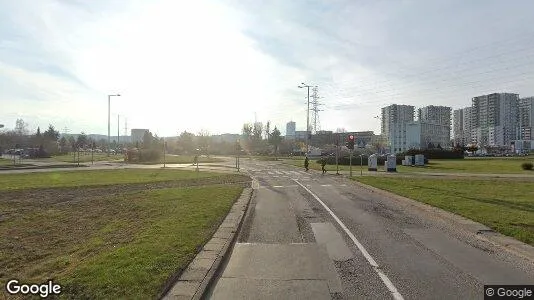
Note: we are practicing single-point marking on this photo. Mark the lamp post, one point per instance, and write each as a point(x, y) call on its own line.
point(303, 85)
point(109, 120)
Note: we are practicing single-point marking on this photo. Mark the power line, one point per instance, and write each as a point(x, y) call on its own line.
point(315, 108)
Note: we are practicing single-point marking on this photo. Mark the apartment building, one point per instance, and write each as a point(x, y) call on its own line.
point(495, 119)
point(393, 127)
point(462, 126)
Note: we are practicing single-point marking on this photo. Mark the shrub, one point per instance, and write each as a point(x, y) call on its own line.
point(527, 166)
point(149, 155)
point(435, 153)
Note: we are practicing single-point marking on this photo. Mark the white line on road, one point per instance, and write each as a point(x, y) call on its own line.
point(395, 293)
point(326, 185)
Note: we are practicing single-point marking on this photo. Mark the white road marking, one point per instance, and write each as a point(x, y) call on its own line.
point(394, 292)
point(326, 185)
point(278, 186)
point(342, 185)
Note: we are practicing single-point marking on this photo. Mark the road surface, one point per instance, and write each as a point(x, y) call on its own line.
point(313, 236)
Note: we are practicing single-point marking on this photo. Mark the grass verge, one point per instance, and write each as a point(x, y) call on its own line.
point(477, 166)
point(110, 246)
point(86, 157)
point(182, 159)
point(504, 205)
point(94, 177)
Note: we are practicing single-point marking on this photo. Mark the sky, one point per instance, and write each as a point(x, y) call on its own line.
point(215, 65)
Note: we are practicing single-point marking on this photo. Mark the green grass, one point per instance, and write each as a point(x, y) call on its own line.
point(494, 165)
point(182, 159)
point(109, 246)
point(86, 157)
point(506, 206)
point(93, 177)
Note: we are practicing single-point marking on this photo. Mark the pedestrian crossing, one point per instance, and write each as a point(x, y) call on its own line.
point(281, 174)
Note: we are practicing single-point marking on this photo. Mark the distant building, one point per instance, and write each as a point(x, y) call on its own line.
point(300, 136)
point(526, 118)
point(137, 135)
point(495, 119)
point(393, 127)
point(462, 126)
point(440, 115)
point(422, 135)
point(290, 130)
point(322, 138)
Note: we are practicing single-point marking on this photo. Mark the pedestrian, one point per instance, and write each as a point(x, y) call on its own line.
point(306, 163)
point(323, 164)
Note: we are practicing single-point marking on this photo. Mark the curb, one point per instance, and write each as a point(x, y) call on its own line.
point(195, 279)
point(475, 229)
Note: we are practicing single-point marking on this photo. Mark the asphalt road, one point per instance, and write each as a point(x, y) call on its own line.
point(313, 236)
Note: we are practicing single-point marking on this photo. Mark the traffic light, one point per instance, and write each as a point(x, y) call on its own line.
point(350, 142)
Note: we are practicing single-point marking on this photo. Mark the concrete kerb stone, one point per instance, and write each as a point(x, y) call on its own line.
point(471, 227)
point(200, 273)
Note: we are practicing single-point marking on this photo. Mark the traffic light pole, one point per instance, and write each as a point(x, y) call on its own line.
point(350, 163)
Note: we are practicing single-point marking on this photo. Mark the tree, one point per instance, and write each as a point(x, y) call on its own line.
point(72, 142)
point(186, 142)
point(38, 133)
point(268, 130)
point(204, 140)
point(21, 128)
point(51, 134)
point(62, 144)
point(247, 130)
point(82, 140)
point(472, 148)
point(257, 131)
point(147, 139)
point(275, 140)
point(439, 146)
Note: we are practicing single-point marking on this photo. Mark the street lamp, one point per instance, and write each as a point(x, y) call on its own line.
point(109, 120)
point(303, 85)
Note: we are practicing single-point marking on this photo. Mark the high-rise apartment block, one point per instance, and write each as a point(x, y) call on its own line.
point(495, 119)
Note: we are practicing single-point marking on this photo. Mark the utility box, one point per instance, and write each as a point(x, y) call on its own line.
point(408, 160)
point(372, 162)
point(420, 160)
point(391, 163)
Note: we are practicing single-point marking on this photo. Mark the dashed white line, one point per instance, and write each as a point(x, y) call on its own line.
point(394, 292)
point(326, 185)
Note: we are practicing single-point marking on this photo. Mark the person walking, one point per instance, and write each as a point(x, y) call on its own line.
point(306, 163)
point(323, 164)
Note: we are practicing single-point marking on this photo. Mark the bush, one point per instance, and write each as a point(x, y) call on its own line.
point(527, 166)
point(435, 153)
point(149, 155)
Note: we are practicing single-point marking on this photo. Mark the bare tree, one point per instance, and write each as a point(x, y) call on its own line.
point(268, 130)
point(21, 127)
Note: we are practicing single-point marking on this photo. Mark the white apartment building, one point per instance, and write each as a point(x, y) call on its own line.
point(137, 135)
point(435, 114)
point(291, 128)
point(526, 118)
point(419, 135)
point(393, 127)
point(462, 126)
point(494, 119)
